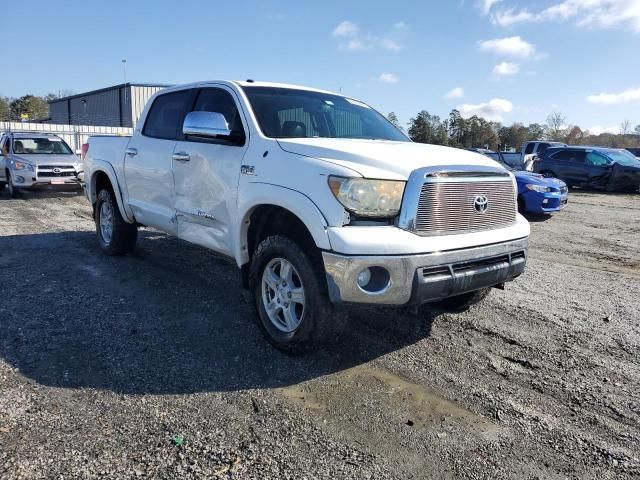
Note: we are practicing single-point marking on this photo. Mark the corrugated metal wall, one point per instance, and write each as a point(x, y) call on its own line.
point(74, 135)
point(116, 107)
point(140, 95)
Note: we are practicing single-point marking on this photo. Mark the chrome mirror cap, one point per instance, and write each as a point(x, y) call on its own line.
point(206, 124)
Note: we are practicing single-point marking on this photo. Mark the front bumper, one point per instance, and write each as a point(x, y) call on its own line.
point(22, 179)
point(549, 202)
point(422, 278)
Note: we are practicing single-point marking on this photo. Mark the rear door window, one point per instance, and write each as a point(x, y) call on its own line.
point(167, 115)
point(542, 147)
point(562, 155)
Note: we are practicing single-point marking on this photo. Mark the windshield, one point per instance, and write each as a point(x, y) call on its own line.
point(292, 113)
point(623, 157)
point(40, 146)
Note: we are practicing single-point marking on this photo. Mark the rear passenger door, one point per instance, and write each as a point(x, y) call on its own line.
point(149, 164)
point(207, 171)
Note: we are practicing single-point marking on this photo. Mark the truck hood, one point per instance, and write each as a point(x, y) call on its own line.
point(38, 160)
point(383, 159)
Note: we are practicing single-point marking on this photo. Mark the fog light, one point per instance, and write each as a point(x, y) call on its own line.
point(19, 179)
point(364, 277)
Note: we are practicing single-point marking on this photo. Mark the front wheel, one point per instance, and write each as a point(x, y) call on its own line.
point(115, 236)
point(290, 296)
point(13, 191)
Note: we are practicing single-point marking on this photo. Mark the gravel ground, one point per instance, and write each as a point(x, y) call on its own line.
point(150, 365)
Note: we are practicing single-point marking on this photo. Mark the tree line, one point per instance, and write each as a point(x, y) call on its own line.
point(28, 107)
point(476, 132)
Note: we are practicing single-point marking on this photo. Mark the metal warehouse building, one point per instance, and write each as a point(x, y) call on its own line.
point(117, 106)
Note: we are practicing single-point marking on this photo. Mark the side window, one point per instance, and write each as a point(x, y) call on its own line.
point(563, 155)
point(596, 159)
point(529, 149)
point(167, 114)
point(578, 156)
point(542, 147)
point(220, 101)
point(5, 145)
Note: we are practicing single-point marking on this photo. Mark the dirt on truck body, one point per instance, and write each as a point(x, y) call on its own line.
point(104, 374)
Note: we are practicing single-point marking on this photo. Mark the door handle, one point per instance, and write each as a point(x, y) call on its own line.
point(132, 152)
point(181, 157)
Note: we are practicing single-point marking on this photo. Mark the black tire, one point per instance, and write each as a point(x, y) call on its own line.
point(522, 207)
point(123, 235)
point(462, 303)
point(320, 320)
point(13, 192)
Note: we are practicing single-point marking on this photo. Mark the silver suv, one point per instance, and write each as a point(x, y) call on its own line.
point(32, 160)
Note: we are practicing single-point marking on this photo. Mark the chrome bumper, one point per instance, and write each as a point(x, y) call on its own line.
point(415, 279)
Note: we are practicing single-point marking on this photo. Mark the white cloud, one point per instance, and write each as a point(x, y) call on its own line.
point(388, 78)
point(457, 92)
point(353, 39)
point(632, 95)
point(391, 45)
point(506, 68)
point(491, 110)
point(346, 29)
point(583, 13)
point(354, 45)
point(486, 5)
point(509, 46)
point(599, 129)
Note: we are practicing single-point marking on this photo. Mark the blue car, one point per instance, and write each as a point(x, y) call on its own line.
point(536, 193)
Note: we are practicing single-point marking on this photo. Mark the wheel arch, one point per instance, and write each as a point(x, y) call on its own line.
point(103, 176)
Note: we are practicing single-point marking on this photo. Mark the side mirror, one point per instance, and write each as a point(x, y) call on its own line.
point(206, 124)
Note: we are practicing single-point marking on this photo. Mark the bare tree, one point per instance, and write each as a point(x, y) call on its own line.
point(556, 128)
point(625, 127)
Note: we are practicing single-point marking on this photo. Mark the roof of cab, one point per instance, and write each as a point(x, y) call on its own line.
point(247, 83)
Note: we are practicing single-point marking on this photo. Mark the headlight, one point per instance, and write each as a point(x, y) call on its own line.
point(23, 166)
point(538, 188)
point(368, 198)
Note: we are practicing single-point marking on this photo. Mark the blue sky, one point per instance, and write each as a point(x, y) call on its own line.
point(508, 60)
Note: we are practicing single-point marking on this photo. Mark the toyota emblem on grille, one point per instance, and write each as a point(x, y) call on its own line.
point(481, 203)
point(56, 170)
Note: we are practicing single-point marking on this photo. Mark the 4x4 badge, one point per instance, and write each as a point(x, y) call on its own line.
point(247, 170)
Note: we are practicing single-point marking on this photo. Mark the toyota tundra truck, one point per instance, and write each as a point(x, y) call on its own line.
point(319, 199)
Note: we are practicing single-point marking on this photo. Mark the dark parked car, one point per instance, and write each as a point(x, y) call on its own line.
point(635, 151)
point(536, 194)
point(593, 167)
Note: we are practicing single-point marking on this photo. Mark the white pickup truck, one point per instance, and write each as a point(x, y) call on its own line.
point(523, 160)
point(317, 197)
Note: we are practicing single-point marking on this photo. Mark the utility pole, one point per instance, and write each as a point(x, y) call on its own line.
point(124, 69)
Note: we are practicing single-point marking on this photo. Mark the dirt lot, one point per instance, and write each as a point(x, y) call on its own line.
point(151, 366)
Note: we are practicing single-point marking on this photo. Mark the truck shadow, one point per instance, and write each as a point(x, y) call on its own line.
point(169, 318)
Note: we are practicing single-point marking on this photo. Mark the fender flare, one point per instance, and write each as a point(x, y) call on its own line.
point(100, 166)
point(292, 200)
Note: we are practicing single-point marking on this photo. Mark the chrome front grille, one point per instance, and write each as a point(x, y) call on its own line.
point(447, 207)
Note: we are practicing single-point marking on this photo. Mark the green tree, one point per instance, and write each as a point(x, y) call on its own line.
point(427, 128)
point(29, 106)
point(393, 118)
point(5, 109)
point(535, 132)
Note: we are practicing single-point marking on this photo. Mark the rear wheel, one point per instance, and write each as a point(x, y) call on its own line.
point(290, 296)
point(115, 236)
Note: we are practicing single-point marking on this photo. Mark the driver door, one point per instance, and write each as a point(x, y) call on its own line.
point(206, 173)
